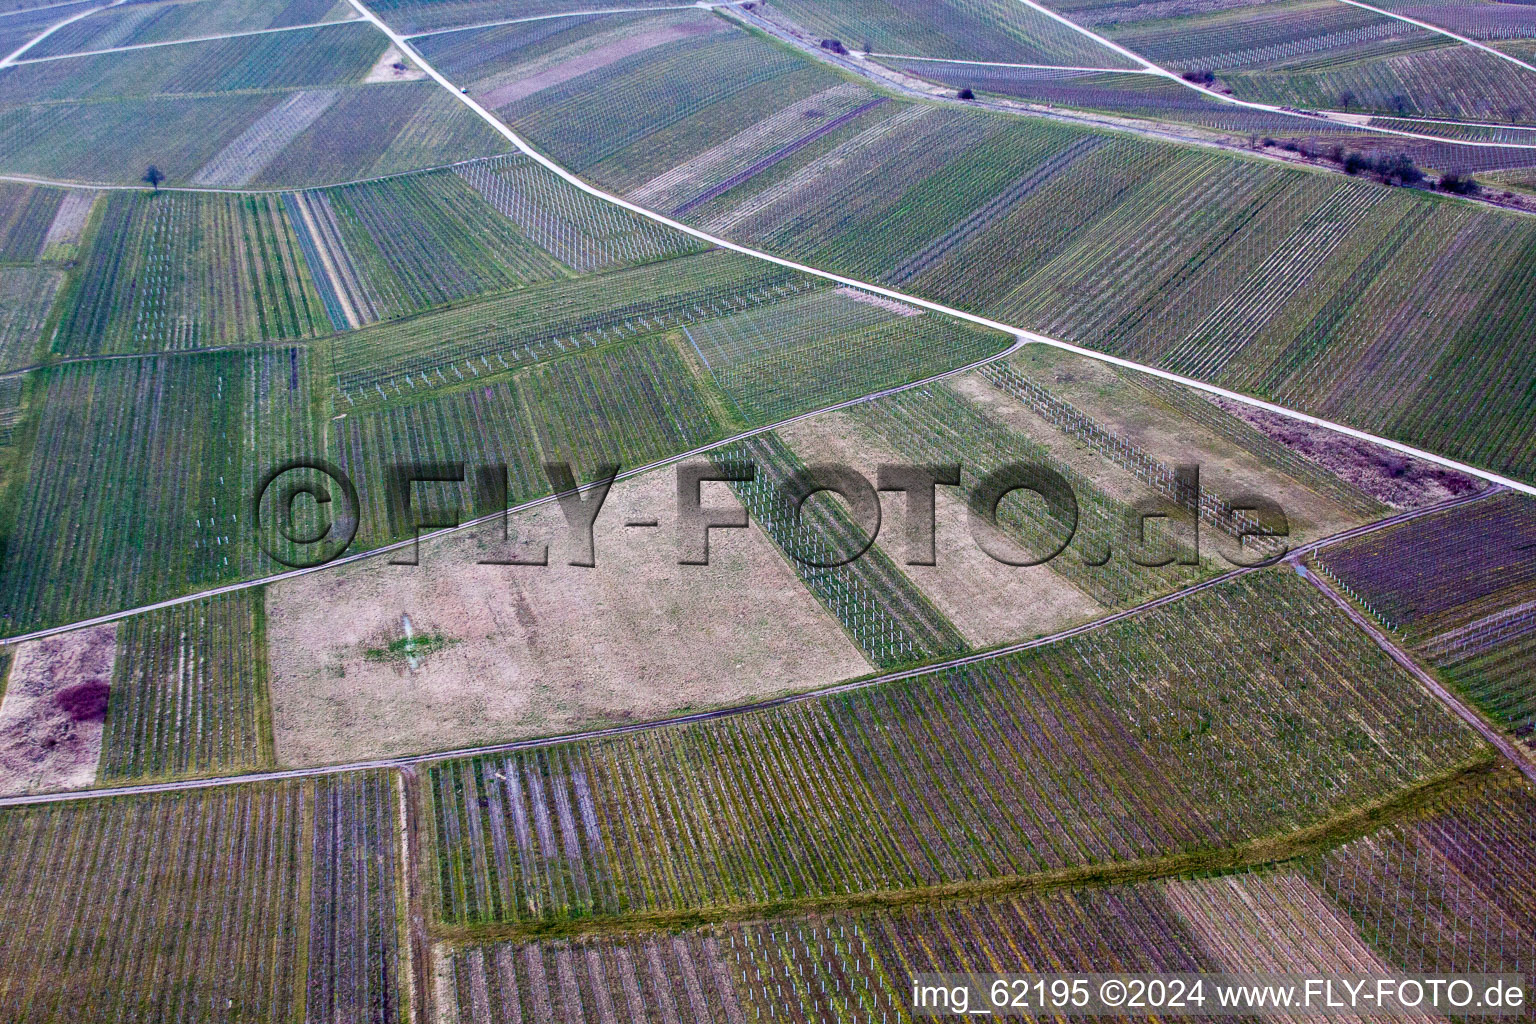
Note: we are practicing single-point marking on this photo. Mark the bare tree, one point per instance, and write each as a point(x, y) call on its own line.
point(154, 177)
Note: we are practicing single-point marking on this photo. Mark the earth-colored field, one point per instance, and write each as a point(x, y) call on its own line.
point(52, 713)
point(529, 650)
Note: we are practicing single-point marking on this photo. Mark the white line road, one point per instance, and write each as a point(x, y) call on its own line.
point(14, 55)
point(409, 760)
point(1005, 64)
point(182, 42)
point(1442, 31)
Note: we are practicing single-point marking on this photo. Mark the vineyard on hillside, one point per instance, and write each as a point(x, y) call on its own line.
point(207, 905)
point(1418, 897)
point(887, 617)
point(26, 296)
point(26, 211)
point(1461, 588)
point(139, 484)
point(189, 694)
point(182, 270)
point(134, 24)
point(1104, 747)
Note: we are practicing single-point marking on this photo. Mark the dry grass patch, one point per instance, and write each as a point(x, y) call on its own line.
point(394, 66)
point(513, 651)
point(53, 711)
point(989, 602)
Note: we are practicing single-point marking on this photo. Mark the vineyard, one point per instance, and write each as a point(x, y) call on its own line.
point(207, 905)
point(582, 232)
point(886, 616)
point(422, 240)
point(253, 149)
point(412, 16)
point(1280, 34)
point(334, 55)
point(463, 343)
point(630, 405)
point(938, 425)
point(481, 425)
point(26, 295)
point(377, 130)
point(134, 24)
point(189, 270)
point(1103, 747)
point(189, 694)
point(983, 30)
point(629, 120)
point(1461, 588)
point(141, 475)
point(26, 211)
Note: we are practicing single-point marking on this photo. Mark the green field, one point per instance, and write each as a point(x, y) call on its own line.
point(137, 24)
point(1179, 730)
point(189, 693)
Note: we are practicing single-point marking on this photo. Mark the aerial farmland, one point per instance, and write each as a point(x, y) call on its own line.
point(816, 511)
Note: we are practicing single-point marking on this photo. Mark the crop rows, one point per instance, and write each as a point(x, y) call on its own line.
point(356, 908)
point(1174, 730)
point(480, 425)
point(176, 271)
point(189, 693)
point(884, 613)
point(25, 213)
point(410, 16)
point(1255, 36)
point(422, 240)
point(630, 404)
point(26, 295)
point(1461, 586)
point(547, 320)
point(1192, 405)
point(174, 906)
point(140, 23)
point(965, 29)
point(1476, 21)
point(580, 231)
point(1448, 892)
point(253, 149)
point(1159, 476)
point(382, 130)
point(937, 425)
point(141, 477)
point(1413, 898)
point(816, 365)
point(597, 115)
point(314, 58)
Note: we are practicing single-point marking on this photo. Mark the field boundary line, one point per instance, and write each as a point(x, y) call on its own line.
point(592, 13)
point(182, 42)
point(1341, 827)
point(33, 10)
point(32, 179)
point(1006, 64)
point(1027, 336)
point(15, 55)
point(1442, 31)
point(539, 742)
point(1429, 683)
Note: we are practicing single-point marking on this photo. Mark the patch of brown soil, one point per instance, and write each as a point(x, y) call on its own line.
point(535, 651)
point(54, 707)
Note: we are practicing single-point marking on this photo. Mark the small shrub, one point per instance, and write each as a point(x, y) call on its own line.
point(966, 93)
point(1458, 185)
point(835, 45)
point(1200, 77)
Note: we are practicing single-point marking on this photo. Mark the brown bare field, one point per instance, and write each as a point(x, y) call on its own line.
point(989, 602)
point(52, 714)
point(1227, 470)
point(533, 651)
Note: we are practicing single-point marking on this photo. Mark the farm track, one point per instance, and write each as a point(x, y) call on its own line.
point(1441, 31)
point(412, 760)
point(12, 57)
point(180, 42)
point(1495, 738)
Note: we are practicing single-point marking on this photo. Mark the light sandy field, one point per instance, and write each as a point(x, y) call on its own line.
point(44, 745)
point(1225, 469)
point(394, 66)
point(534, 651)
point(989, 602)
